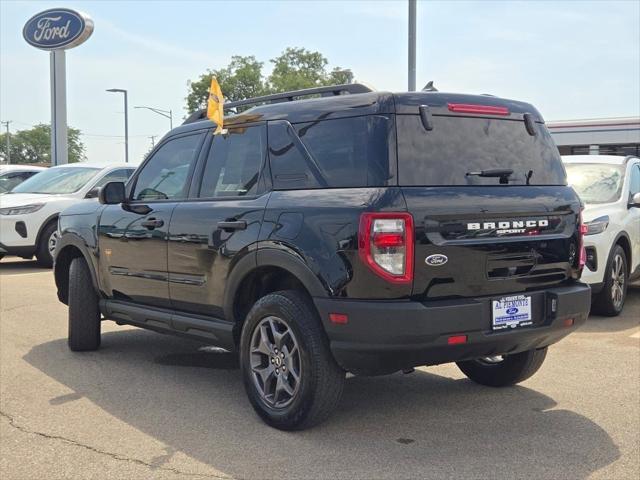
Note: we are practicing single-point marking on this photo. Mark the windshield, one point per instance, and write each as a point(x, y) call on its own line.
point(595, 183)
point(57, 180)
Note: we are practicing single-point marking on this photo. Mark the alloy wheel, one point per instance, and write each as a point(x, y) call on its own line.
point(618, 274)
point(275, 362)
point(492, 360)
point(52, 242)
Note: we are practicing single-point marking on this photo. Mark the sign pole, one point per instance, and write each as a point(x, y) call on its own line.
point(59, 150)
point(56, 30)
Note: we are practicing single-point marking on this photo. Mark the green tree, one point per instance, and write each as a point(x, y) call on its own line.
point(242, 78)
point(294, 69)
point(34, 145)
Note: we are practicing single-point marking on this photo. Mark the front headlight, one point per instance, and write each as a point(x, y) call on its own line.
point(34, 207)
point(597, 225)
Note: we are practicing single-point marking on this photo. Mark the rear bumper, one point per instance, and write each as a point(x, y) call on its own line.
point(386, 336)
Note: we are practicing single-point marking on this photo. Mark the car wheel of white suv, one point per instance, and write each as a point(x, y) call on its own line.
point(47, 245)
point(610, 300)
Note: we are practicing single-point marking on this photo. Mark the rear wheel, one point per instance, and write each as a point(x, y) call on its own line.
point(289, 374)
point(610, 300)
point(503, 370)
point(84, 313)
point(47, 245)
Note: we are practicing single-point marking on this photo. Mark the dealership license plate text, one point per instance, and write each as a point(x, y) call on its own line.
point(511, 312)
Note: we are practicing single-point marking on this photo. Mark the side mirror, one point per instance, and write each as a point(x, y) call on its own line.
point(635, 200)
point(93, 193)
point(112, 193)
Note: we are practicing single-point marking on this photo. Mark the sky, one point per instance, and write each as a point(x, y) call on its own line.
point(571, 59)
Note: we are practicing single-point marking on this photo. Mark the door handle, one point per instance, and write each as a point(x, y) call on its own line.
point(229, 225)
point(152, 223)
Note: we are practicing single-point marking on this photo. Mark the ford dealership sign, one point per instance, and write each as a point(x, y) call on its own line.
point(57, 29)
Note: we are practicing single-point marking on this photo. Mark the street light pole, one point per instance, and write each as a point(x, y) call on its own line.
point(6, 124)
point(165, 113)
point(412, 45)
point(126, 121)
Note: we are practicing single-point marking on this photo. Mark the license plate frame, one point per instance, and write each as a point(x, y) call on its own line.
point(513, 311)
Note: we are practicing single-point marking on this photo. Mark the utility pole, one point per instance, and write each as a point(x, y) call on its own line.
point(6, 124)
point(126, 121)
point(412, 45)
point(153, 140)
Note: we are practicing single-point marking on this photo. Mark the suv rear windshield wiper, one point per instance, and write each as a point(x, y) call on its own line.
point(502, 173)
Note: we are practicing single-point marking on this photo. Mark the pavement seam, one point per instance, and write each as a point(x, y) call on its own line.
point(115, 456)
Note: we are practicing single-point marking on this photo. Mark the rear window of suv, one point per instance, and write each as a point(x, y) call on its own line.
point(459, 145)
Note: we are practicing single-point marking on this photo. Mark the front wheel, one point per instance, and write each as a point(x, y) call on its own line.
point(47, 245)
point(290, 376)
point(84, 312)
point(503, 370)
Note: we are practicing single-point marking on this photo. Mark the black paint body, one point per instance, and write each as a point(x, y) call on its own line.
point(185, 274)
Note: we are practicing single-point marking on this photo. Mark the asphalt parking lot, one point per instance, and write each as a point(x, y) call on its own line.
point(153, 406)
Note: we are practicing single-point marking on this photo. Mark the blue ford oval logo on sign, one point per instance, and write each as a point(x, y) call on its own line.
point(57, 29)
point(436, 260)
point(512, 311)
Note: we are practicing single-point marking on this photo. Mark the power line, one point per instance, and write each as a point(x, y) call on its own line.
point(89, 134)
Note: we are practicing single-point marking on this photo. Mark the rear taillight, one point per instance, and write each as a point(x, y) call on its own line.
point(583, 229)
point(385, 243)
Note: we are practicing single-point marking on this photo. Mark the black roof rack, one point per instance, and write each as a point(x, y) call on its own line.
point(328, 91)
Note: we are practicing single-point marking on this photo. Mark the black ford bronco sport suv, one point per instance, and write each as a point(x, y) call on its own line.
point(354, 231)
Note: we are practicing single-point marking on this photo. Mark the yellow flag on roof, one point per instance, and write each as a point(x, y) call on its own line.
point(215, 105)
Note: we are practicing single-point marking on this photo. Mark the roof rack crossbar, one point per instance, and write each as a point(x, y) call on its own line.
point(327, 91)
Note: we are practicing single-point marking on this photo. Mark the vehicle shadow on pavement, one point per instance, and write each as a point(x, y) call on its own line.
point(628, 319)
point(13, 265)
point(397, 426)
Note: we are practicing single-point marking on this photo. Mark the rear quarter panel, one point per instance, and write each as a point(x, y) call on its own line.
point(321, 228)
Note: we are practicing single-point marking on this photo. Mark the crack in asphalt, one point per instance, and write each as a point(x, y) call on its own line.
point(115, 456)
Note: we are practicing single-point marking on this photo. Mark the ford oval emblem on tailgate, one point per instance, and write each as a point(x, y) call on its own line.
point(436, 260)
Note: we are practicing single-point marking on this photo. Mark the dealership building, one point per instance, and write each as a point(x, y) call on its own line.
point(602, 136)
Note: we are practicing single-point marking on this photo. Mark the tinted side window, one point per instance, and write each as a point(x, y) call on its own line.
point(165, 175)
point(233, 164)
point(341, 153)
point(291, 165)
point(120, 175)
point(634, 186)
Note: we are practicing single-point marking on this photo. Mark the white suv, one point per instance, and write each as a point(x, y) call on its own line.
point(29, 212)
point(609, 186)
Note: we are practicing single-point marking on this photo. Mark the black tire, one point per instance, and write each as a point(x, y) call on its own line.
point(84, 313)
point(321, 379)
point(511, 370)
point(43, 256)
point(604, 302)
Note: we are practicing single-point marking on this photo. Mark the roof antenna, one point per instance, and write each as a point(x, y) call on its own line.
point(429, 87)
